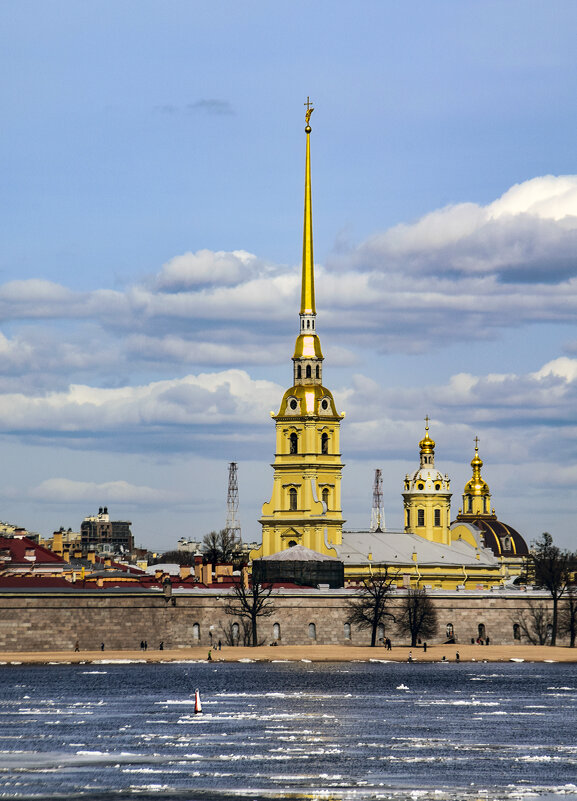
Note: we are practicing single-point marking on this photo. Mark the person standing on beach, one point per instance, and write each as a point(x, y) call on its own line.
point(457, 657)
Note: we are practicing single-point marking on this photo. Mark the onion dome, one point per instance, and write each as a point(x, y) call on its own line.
point(477, 486)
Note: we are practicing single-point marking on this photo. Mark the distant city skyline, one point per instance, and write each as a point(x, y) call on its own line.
point(153, 164)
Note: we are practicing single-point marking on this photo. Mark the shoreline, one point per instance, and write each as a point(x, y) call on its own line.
point(298, 653)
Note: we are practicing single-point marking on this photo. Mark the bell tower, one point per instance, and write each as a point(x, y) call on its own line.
point(427, 497)
point(305, 506)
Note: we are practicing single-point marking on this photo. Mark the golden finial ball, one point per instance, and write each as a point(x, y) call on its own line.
point(308, 129)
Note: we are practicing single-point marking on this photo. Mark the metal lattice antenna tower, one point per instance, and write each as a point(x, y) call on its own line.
point(378, 514)
point(232, 521)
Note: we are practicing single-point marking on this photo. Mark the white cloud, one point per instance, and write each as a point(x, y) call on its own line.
point(206, 267)
point(206, 399)
point(64, 490)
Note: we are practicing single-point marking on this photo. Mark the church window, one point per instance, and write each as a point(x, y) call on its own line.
point(421, 486)
point(294, 443)
point(408, 518)
point(276, 632)
point(293, 404)
point(312, 631)
point(469, 503)
point(293, 499)
point(437, 487)
point(313, 324)
point(292, 543)
point(450, 631)
point(325, 443)
point(516, 631)
point(324, 404)
point(196, 632)
point(484, 504)
point(309, 371)
point(437, 517)
point(420, 517)
point(318, 371)
point(347, 631)
point(299, 371)
point(326, 497)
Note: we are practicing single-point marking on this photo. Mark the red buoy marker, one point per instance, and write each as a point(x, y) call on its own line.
point(197, 704)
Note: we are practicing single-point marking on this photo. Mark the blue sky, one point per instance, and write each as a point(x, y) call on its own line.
point(152, 158)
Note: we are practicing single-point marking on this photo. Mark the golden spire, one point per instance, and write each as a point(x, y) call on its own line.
point(308, 276)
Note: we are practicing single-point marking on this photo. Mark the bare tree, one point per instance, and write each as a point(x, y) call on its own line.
point(237, 633)
point(369, 609)
point(550, 567)
point(219, 546)
point(418, 616)
point(176, 557)
point(535, 622)
point(568, 616)
point(250, 603)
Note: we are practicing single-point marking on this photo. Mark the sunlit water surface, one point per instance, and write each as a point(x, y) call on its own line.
point(290, 730)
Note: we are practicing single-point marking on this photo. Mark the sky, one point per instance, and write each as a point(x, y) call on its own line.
point(152, 184)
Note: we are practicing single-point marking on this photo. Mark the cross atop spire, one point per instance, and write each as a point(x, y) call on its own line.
point(476, 443)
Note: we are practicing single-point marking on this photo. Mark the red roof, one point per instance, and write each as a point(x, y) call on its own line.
point(18, 546)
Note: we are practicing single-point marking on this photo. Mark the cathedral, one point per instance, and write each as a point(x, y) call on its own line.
point(475, 551)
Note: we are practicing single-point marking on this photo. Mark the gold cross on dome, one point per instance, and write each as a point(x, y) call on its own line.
point(427, 423)
point(476, 443)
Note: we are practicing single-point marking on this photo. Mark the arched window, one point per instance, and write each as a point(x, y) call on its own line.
point(299, 371)
point(380, 632)
point(318, 371)
point(292, 543)
point(308, 323)
point(516, 631)
point(294, 443)
point(325, 443)
point(437, 517)
point(469, 503)
point(450, 631)
point(293, 499)
point(276, 632)
point(484, 504)
point(408, 518)
point(420, 517)
point(312, 631)
point(309, 371)
point(347, 631)
point(196, 632)
point(235, 633)
point(326, 497)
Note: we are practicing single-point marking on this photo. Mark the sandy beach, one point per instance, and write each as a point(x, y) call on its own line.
point(313, 653)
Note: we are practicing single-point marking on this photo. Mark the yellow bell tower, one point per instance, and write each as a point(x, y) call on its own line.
point(427, 497)
point(305, 507)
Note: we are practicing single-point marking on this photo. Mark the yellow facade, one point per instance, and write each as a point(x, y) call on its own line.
point(427, 497)
point(305, 506)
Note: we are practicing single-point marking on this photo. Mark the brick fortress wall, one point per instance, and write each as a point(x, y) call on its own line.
point(36, 621)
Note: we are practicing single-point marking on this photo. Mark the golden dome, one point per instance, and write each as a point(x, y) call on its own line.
point(476, 485)
point(308, 346)
point(308, 399)
point(427, 445)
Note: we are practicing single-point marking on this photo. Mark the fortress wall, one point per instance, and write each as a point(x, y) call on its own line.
point(36, 621)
